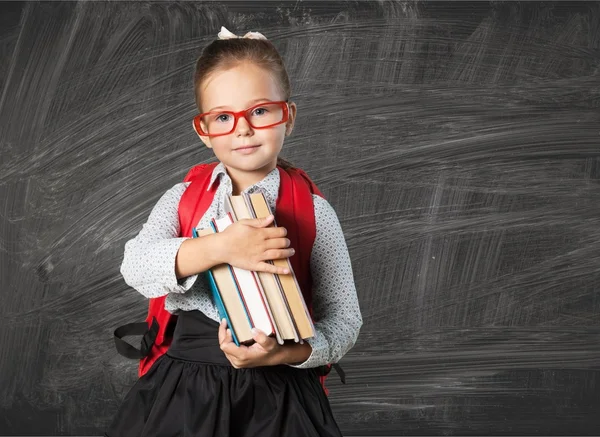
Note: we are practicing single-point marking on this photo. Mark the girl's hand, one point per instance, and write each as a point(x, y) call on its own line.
point(265, 352)
point(248, 243)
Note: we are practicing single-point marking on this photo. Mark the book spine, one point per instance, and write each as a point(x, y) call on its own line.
point(217, 299)
point(213, 224)
point(297, 337)
point(221, 307)
point(242, 212)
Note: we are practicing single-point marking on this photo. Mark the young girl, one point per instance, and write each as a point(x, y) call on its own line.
point(205, 385)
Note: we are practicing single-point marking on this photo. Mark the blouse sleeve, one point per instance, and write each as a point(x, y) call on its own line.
point(149, 260)
point(336, 313)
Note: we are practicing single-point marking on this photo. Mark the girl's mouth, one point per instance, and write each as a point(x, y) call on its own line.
point(247, 149)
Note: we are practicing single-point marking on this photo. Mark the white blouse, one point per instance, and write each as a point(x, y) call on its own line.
point(149, 267)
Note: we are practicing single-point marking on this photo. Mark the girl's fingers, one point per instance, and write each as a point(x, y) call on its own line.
point(278, 232)
point(272, 254)
point(270, 268)
point(277, 243)
point(222, 331)
point(260, 222)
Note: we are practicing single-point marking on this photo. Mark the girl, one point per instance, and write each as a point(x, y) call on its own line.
point(205, 385)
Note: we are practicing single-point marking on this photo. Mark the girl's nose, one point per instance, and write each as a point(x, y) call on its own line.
point(243, 126)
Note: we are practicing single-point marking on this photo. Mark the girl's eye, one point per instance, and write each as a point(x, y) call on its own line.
point(222, 118)
point(260, 111)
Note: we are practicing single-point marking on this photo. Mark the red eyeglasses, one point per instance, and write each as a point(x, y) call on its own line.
point(260, 116)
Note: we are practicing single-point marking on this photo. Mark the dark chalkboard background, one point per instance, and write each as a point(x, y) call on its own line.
point(458, 142)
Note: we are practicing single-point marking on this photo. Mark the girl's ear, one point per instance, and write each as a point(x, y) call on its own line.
point(203, 138)
point(289, 125)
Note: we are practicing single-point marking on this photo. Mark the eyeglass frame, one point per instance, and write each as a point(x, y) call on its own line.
point(237, 115)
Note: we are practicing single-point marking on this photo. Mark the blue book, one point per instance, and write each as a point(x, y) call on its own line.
point(217, 298)
point(236, 285)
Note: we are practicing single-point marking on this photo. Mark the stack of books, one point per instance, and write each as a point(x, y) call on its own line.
point(247, 299)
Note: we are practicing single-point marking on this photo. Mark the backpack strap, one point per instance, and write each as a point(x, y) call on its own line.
point(297, 182)
point(313, 188)
point(141, 328)
point(323, 372)
point(197, 198)
point(295, 212)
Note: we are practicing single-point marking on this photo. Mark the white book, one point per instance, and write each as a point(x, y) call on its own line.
point(250, 288)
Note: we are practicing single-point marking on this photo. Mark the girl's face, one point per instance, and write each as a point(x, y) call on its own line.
point(236, 89)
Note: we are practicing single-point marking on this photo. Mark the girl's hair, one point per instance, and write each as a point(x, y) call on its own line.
point(223, 54)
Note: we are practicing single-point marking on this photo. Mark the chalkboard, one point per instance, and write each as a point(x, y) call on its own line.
point(458, 142)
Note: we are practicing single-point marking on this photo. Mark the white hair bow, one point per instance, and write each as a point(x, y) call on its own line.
point(225, 34)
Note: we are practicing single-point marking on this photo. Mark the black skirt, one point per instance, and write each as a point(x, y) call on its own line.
point(193, 391)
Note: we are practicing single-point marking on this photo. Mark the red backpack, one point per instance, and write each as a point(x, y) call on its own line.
point(294, 211)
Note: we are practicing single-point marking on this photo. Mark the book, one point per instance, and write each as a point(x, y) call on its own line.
point(258, 207)
point(277, 305)
point(227, 299)
point(250, 288)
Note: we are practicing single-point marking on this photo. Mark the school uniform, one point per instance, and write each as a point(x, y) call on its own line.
point(193, 389)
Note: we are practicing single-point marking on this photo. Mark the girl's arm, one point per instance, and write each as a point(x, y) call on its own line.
point(336, 311)
point(157, 261)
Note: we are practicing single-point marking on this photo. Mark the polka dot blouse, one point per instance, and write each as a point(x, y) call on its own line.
point(149, 267)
